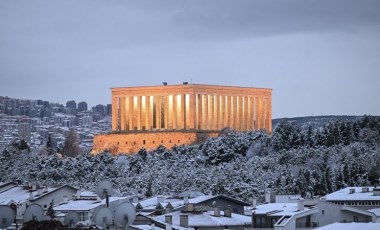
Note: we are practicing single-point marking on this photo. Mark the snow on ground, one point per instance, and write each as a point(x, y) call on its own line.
point(351, 226)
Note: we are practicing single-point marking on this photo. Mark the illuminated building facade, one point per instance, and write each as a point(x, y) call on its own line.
point(182, 114)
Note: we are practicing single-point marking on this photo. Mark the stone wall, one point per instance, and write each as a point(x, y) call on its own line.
point(130, 143)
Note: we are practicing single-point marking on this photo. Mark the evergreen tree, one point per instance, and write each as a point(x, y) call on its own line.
point(71, 146)
point(50, 210)
point(50, 146)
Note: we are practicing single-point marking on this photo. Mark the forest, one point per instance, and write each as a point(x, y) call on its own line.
point(311, 161)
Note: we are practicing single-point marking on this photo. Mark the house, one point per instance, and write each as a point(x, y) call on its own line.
point(19, 197)
point(283, 215)
point(329, 213)
point(160, 205)
point(360, 197)
point(351, 204)
point(206, 220)
point(85, 204)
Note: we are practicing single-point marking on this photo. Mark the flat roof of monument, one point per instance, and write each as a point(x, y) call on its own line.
point(189, 85)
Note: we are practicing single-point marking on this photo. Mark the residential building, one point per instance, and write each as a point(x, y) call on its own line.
point(82, 106)
point(24, 131)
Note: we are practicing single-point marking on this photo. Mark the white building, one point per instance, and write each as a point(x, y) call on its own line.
point(360, 197)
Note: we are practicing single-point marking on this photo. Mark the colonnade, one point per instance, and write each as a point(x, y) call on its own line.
point(191, 111)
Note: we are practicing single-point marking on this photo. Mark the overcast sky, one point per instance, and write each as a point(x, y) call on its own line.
point(319, 57)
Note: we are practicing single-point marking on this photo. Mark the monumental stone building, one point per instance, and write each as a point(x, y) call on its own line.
point(181, 114)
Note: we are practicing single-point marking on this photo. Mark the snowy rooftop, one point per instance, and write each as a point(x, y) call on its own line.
point(175, 202)
point(375, 211)
point(208, 219)
point(20, 194)
point(84, 205)
point(88, 193)
point(355, 194)
point(351, 226)
point(279, 209)
point(145, 227)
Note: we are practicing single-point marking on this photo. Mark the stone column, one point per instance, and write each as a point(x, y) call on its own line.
point(158, 111)
point(122, 114)
point(206, 120)
point(138, 117)
point(147, 112)
point(175, 111)
point(254, 100)
point(222, 112)
point(235, 113)
point(211, 118)
point(251, 113)
point(142, 112)
point(200, 111)
point(192, 111)
point(114, 113)
point(130, 113)
point(246, 112)
point(258, 112)
point(217, 112)
point(183, 111)
point(166, 112)
point(229, 112)
point(239, 115)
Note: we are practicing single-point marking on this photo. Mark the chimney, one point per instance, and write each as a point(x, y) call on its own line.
point(186, 199)
point(173, 194)
point(217, 211)
point(34, 187)
point(376, 191)
point(267, 197)
point(46, 189)
point(30, 195)
point(160, 199)
point(300, 204)
point(227, 212)
point(184, 221)
point(168, 227)
point(152, 226)
point(168, 219)
point(79, 192)
point(29, 184)
point(190, 207)
point(254, 203)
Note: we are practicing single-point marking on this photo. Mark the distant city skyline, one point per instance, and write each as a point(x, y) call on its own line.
point(319, 57)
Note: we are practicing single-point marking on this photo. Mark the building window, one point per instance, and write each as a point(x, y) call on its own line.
point(323, 212)
point(356, 219)
point(126, 142)
point(143, 142)
point(235, 210)
point(178, 141)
